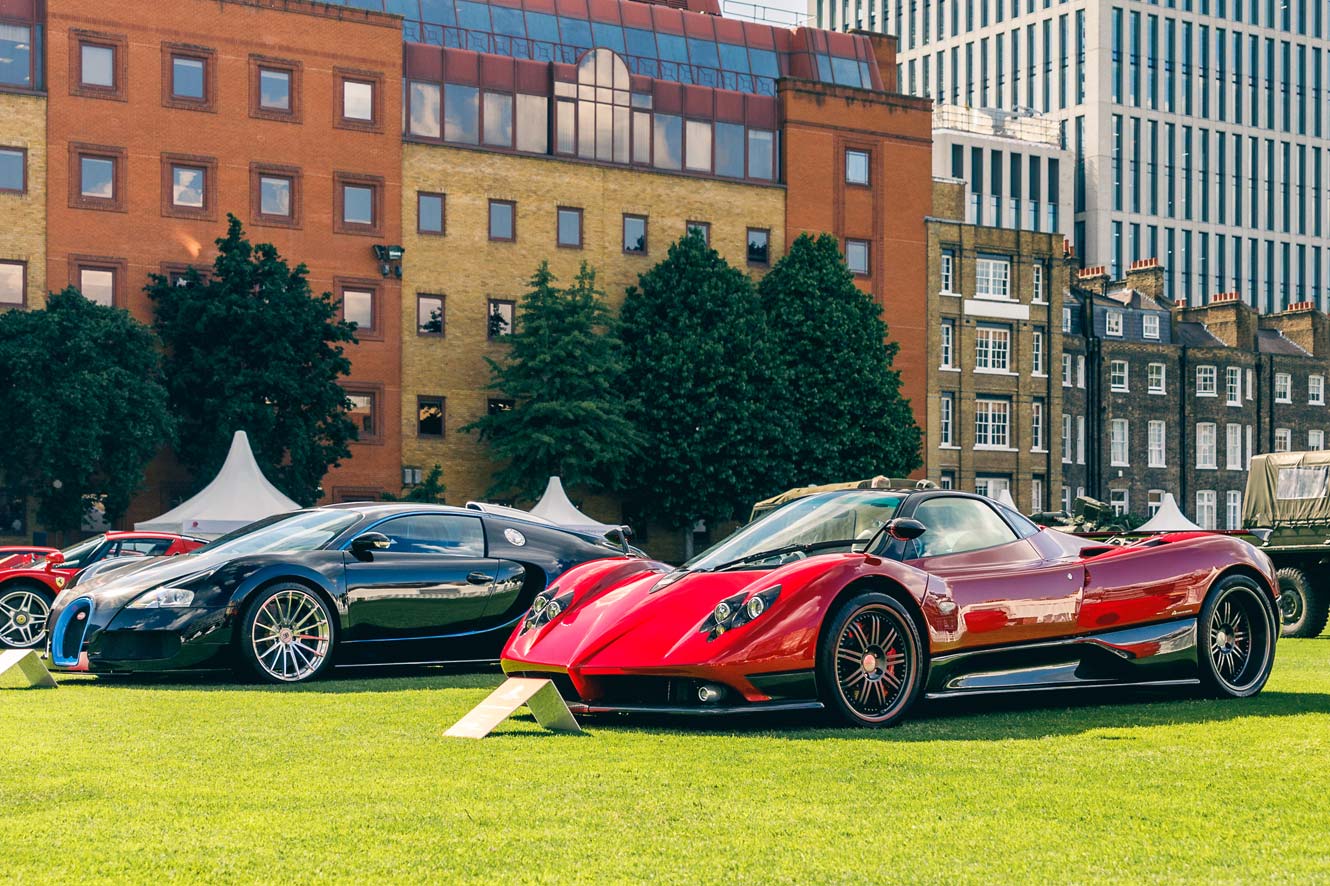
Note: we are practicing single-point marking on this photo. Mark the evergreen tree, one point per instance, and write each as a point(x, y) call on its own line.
point(86, 409)
point(844, 417)
point(564, 373)
point(698, 358)
point(251, 348)
point(430, 490)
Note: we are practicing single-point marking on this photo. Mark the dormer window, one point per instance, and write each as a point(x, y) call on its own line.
point(1113, 323)
point(1150, 326)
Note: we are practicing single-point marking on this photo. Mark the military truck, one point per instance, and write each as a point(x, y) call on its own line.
point(1287, 512)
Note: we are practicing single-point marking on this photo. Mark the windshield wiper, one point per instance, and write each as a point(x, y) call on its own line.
point(776, 552)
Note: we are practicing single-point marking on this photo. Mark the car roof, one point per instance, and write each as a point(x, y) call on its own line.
point(380, 509)
point(148, 533)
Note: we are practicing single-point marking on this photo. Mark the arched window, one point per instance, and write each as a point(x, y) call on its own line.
point(603, 107)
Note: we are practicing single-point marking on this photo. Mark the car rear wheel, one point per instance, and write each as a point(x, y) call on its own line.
point(25, 610)
point(1302, 606)
point(1237, 634)
point(287, 634)
point(870, 664)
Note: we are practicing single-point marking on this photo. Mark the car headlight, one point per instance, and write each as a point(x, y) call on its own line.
point(738, 610)
point(164, 598)
point(546, 607)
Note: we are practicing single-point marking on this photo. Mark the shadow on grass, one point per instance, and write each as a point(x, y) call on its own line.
point(396, 678)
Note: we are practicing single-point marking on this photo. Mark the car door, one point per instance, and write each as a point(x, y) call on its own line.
point(1004, 590)
point(433, 580)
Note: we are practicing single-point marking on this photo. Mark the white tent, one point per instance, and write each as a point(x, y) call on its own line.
point(1004, 498)
point(236, 497)
point(555, 507)
point(1169, 518)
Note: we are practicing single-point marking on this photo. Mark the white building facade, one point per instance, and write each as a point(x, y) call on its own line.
point(1198, 128)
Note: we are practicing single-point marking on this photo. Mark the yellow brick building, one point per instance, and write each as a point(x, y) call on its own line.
point(469, 270)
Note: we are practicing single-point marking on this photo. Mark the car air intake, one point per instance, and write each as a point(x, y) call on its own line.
point(70, 628)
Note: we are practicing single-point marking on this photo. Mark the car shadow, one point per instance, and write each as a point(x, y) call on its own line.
point(395, 678)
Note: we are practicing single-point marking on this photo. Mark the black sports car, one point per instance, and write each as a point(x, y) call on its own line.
point(353, 584)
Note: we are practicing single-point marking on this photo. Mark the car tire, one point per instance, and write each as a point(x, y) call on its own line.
point(1236, 637)
point(25, 610)
point(870, 664)
point(1303, 606)
point(287, 634)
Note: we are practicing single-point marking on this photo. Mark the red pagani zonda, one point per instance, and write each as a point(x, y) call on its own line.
point(861, 600)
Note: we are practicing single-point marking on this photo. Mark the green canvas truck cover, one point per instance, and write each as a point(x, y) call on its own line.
point(1287, 487)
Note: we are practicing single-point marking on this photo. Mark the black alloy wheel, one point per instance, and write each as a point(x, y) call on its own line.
point(1302, 605)
point(1236, 638)
point(871, 661)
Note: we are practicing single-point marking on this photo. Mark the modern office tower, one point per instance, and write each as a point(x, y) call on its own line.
point(1198, 127)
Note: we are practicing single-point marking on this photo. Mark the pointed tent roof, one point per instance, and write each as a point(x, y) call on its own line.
point(1004, 498)
point(1169, 518)
point(236, 497)
point(555, 507)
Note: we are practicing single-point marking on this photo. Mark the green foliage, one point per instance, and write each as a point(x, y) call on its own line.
point(699, 360)
point(430, 490)
point(564, 372)
point(838, 400)
point(252, 348)
point(86, 409)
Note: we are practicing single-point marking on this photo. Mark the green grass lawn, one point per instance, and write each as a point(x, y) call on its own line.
point(352, 780)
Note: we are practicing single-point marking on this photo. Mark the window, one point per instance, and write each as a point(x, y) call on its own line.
point(1233, 509)
point(947, 480)
point(17, 69)
point(1233, 385)
point(1233, 447)
point(992, 346)
point(1315, 438)
point(568, 225)
point(1080, 370)
point(1066, 439)
point(1154, 500)
point(1117, 373)
point(1119, 455)
point(275, 195)
point(1155, 378)
point(498, 121)
point(1118, 499)
point(1283, 440)
point(992, 424)
point(856, 167)
point(364, 414)
point(857, 257)
point(1037, 425)
point(701, 228)
point(1156, 444)
point(497, 406)
point(635, 234)
point(1037, 352)
point(274, 90)
point(187, 78)
point(461, 113)
point(100, 71)
point(429, 416)
point(358, 306)
point(1283, 387)
point(452, 535)
point(13, 169)
point(429, 314)
point(1038, 277)
point(359, 204)
point(1251, 383)
point(948, 271)
point(946, 414)
point(358, 99)
point(96, 177)
point(1150, 326)
point(1205, 381)
point(1036, 495)
point(1066, 370)
point(1316, 390)
point(500, 315)
point(1205, 446)
point(958, 525)
point(1113, 323)
point(99, 279)
point(430, 213)
point(188, 186)
point(13, 283)
point(948, 330)
point(1066, 320)
point(992, 278)
point(1205, 509)
point(759, 246)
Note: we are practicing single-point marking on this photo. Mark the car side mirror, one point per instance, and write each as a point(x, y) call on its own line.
point(905, 529)
point(364, 545)
point(54, 559)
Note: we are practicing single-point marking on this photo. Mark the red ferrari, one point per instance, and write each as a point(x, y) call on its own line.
point(28, 589)
point(861, 601)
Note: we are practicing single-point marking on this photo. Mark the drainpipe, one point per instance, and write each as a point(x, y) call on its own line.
point(1185, 431)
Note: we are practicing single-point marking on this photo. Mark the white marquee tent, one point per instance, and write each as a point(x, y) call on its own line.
point(1169, 518)
point(555, 507)
point(236, 497)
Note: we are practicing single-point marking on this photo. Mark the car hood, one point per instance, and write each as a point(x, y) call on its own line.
point(122, 585)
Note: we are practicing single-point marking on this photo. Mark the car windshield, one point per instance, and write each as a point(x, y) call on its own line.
point(75, 554)
point(824, 522)
point(284, 533)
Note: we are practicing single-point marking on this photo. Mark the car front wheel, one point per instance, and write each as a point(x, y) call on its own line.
point(287, 634)
point(1237, 633)
point(24, 613)
point(871, 663)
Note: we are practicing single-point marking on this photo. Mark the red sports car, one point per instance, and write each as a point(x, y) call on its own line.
point(16, 555)
point(862, 600)
point(28, 589)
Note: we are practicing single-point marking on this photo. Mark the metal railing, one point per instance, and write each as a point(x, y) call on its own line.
point(1027, 127)
point(766, 15)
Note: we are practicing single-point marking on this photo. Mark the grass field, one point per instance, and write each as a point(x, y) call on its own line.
point(350, 780)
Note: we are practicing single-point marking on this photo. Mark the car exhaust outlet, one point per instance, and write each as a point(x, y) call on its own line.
point(709, 693)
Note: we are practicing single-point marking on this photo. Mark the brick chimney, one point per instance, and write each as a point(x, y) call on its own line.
point(1227, 317)
point(1146, 276)
point(1303, 325)
point(1094, 279)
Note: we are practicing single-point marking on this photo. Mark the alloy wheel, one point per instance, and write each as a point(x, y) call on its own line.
point(873, 664)
point(1236, 638)
point(291, 635)
point(23, 618)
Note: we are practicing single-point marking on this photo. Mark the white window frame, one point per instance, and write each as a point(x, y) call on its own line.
point(1162, 386)
point(992, 350)
point(1207, 455)
point(1316, 390)
point(1233, 447)
point(1038, 277)
point(1233, 509)
point(947, 421)
point(1037, 426)
point(1122, 384)
point(1207, 381)
point(1315, 440)
point(1283, 387)
point(1150, 326)
point(947, 273)
point(1120, 501)
point(1154, 500)
point(992, 279)
point(1157, 444)
point(1080, 441)
point(1066, 319)
point(1066, 370)
point(1036, 495)
point(992, 423)
point(1080, 371)
point(1283, 439)
point(1119, 436)
point(1113, 324)
point(1233, 385)
point(1037, 353)
point(948, 344)
point(1206, 506)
